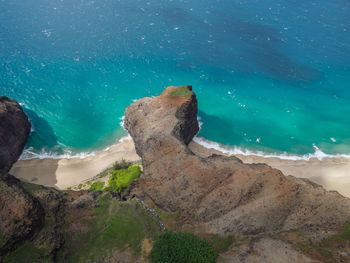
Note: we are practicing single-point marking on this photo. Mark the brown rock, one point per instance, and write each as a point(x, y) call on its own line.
point(21, 215)
point(14, 132)
point(221, 193)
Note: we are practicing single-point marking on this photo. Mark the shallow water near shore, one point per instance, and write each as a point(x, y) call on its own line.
point(270, 76)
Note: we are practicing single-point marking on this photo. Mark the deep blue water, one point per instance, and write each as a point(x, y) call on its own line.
point(270, 75)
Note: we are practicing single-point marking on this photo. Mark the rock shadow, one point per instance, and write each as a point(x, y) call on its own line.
point(42, 135)
point(38, 171)
point(217, 128)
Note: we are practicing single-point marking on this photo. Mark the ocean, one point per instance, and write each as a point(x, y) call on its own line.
point(272, 77)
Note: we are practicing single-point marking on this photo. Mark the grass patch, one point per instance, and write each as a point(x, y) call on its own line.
point(346, 234)
point(325, 249)
point(31, 188)
point(114, 225)
point(219, 243)
point(122, 178)
point(119, 165)
point(175, 247)
point(3, 186)
point(172, 220)
point(97, 186)
point(28, 253)
point(181, 92)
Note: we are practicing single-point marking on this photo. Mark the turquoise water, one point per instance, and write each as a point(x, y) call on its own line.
point(271, 76)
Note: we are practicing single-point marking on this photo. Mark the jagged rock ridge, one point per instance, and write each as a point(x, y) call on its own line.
point(221, 193)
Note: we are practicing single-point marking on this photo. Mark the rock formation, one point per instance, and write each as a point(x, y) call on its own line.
point(14, 132)
point(20, 214)
point(41, 224)
point(280, 218)
point(220, 193)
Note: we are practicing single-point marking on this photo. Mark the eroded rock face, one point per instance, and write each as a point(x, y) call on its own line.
point(21, 215)
point(221, 193)
point(14, 132)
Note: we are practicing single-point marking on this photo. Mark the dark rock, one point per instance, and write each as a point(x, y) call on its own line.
point(21, 215)
point(14, 132)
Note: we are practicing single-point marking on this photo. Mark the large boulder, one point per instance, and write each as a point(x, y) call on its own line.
point(14, 132)
point(222, 194)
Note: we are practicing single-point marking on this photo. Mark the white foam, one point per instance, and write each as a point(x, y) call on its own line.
point(200, 123)
point(234, 150)
point(67, 154)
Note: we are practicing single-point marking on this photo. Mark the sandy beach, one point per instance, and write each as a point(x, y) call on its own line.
point(332, 173)
point(63, 173)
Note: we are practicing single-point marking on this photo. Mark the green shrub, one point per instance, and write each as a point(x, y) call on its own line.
point(118, 165)
point(120, 179)
point(181, 92)
point(346, 234)
point(96, 186)
point(176, 247)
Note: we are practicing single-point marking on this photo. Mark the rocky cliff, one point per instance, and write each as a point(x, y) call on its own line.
point(250, 212)
point(14, 132)
point(221, 194)
point(20, 214)
point(42, 225)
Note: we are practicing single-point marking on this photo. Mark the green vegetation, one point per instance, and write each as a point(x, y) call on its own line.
point(97, 186)
point(120, 179)
point(121, 165)
point(172, 220)
point(31, 188)
point(346, 234)
point(28, 252)
point(181, 92)
point(219, 243)
point(121, 175)
point(324, 249)
point(3, 186)
point(175, 247)
point(114, 225)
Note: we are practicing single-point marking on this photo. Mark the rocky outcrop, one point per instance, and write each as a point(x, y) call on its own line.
point(21, 215)
point(42, 224)
point(220, 193)
point(14, 132)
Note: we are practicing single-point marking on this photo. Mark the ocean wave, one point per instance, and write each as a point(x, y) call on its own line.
point(67, 154)
point(229, 150)
point(234, 150)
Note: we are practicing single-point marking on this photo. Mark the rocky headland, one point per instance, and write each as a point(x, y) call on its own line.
point(249, 212)
point(220, 194)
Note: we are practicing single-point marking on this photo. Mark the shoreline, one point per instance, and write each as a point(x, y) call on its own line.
point(68, 172)
point(332, 173)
